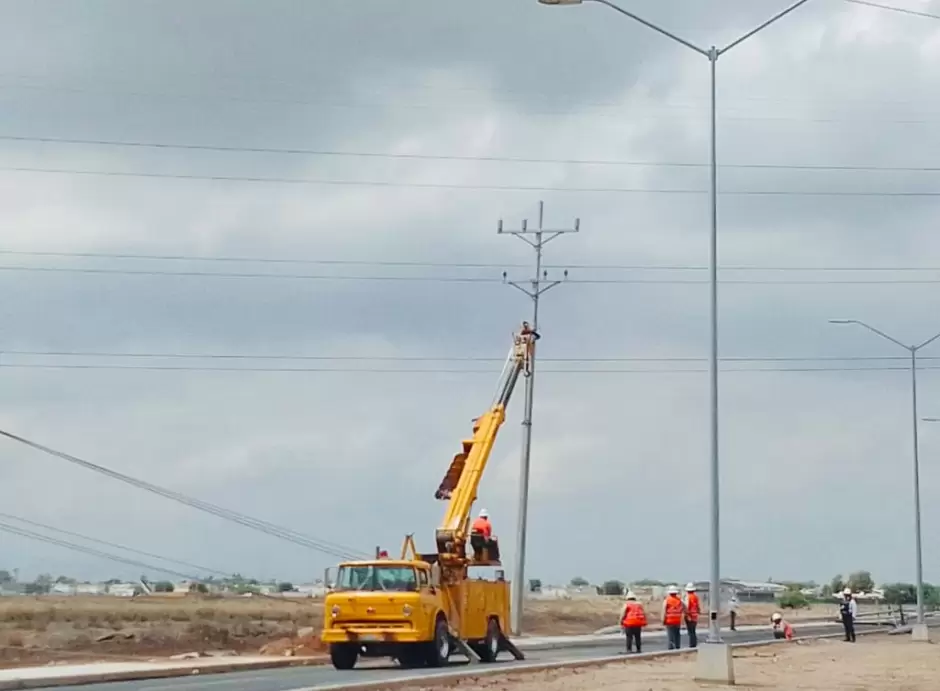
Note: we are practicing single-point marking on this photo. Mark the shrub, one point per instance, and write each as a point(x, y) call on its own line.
point(793, 599)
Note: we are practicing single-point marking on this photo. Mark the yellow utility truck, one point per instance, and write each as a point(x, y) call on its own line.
point(420, 608)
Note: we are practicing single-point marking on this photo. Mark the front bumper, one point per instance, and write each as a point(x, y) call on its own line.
point(372, 634)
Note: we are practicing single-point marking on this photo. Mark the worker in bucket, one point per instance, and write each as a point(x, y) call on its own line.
point(632, 621)
point(673, 613)
point(848, 611)
point(781, 627)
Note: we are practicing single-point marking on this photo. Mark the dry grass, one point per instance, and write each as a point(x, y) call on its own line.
point(37, 629)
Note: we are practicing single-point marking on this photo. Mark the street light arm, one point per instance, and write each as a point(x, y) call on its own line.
point(655, 28)
point(779, 15)
point(927, 342)
point(884, 335)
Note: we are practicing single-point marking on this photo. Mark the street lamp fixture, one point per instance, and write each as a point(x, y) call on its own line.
point(920, 632)
point(715, 662)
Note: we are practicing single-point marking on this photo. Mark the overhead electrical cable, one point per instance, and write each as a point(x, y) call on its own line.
point(463, 158)
point(37, 524)
point(466, 186)
point(256, 524)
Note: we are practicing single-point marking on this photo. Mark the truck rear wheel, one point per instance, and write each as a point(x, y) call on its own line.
point(490, 646)
point(439, 650)
point(344, 655)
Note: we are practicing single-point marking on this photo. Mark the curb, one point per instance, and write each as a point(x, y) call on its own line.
point(158, 673)
point(430, 679)
point(448, 678)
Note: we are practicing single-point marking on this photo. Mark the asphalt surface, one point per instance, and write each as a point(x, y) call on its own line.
point(288, 679)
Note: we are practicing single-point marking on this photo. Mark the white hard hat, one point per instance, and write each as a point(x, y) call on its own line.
point(631, 595)
point(776, 616)
point(484, 513)
point(673, 590)
point(690, 588)
point(847, 591)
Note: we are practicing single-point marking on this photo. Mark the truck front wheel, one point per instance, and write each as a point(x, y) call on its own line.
point(344, 655)
point(439, 651)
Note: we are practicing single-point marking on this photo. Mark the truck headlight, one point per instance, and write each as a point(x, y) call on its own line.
point(335, 611)
point(406, 610)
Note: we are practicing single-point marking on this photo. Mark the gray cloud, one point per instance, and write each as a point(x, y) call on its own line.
point(355, 457)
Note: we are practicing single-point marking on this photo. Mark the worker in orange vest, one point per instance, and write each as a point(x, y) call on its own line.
point(782, 628)
point(482, 525)
point(632, 620)
point(673, 611)
point(692, 610)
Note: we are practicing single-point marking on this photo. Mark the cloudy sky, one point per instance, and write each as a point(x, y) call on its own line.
point(388, 263)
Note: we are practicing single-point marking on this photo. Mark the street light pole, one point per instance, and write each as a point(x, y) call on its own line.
point(920, 631)
point(714, 630)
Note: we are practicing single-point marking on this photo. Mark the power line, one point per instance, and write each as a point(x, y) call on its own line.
point(435, 370)
point(449, 358)
point(452, 279)
point(462, 186)
point(233, 516)
point(893, 8)
point(14, 530)
point(37, 524)
point(579, 110)
point(443, 264)
point(473, 159)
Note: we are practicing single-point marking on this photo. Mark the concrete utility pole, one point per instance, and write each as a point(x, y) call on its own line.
point(534, 287)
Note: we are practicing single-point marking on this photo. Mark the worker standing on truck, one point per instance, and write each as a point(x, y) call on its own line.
point(848, 610)
point(782, 628)
point(632, 620)
point(673, 609)
point(692, 610)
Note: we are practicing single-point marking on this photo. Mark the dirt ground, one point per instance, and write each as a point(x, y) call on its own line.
point(40, 630)
point(875, 663)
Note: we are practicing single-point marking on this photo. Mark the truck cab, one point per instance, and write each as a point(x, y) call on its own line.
point(378, 608)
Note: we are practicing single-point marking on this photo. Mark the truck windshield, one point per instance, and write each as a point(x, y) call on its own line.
point(374, 578)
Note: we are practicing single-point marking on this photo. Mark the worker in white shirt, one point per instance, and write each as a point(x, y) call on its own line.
point(848, 610)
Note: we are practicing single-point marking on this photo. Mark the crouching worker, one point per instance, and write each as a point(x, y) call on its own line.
point(632, 620)
point(782, 628)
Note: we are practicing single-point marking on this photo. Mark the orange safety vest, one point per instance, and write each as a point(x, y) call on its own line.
point(634, 616)
point(692, 607)
point(673, 611)
point(482, 526)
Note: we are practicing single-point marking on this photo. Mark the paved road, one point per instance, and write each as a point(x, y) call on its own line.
point(319, 677)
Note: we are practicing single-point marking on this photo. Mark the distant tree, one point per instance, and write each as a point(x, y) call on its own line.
point(285, 587)
point(198, 588)
point(826, 590)
point(5, 577)
point(579, 582)
point(861, 582)
point(793, 599)
point(163, 587)
point(900, 594)
point(612, 588)
point(648, 582)
point(66, 580)
point(837, 585)
point(535, 585)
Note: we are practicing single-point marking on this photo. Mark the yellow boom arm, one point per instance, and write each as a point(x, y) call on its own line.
point(462, 480)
